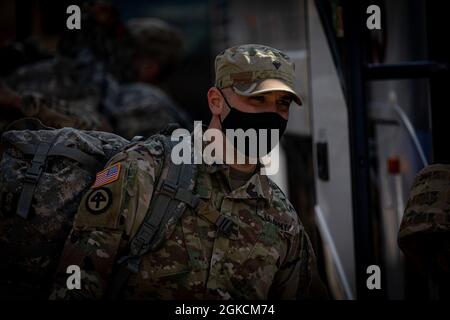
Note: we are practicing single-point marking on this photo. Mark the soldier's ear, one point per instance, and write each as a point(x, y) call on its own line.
point(216, 102)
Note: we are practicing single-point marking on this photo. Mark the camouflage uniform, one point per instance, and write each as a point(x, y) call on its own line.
point(68, 90)
point(424, 235)
point(71, 89)
point(58, 113)
point(156, 39)
point(268, 256)
point(140, 109)
point(81, 93)
point(61, 92)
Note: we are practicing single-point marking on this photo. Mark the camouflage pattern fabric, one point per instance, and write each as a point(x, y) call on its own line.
point(140, 109)
point(30, 249)
point(58, 113)
point(424, 231)
point(156, 38)
point(268, 255)
point(65, 93)
point(60, 77)
point(62, 92)
point(247, 68)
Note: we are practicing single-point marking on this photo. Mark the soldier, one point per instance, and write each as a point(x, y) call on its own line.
point(90, 85)
point(53, 91)
point(424, 235)
point(142, 107)
point(239, 237)
point(68, 89)
point(54, 112)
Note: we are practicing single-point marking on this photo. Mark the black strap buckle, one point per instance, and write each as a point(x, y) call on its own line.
point(34, 172)
point(132, 262)
point(168, 189)
point(141, 242)
point(147, 232)
point(188, 197)
point(225, 224)
point(195, 204)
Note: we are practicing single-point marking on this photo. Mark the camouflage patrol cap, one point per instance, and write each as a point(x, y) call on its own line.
point(251, 69)
point(156, 38)
point(427, 214)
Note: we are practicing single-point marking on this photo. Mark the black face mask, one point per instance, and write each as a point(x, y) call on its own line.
point(263, 120)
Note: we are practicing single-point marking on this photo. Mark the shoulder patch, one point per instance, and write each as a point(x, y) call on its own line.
point(98, 200)
point(107, 176)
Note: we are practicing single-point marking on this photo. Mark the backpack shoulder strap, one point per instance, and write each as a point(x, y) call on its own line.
point(173, 193)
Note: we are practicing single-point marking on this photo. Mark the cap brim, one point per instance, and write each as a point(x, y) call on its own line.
point(267, 85)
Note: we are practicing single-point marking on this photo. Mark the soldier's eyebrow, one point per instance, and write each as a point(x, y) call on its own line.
point(261, 95)
point(287, 97)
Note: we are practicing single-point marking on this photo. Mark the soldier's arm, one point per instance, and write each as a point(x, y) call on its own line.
point(298, 276)
point(108, 217)
point(59, 113)
point(56, 113)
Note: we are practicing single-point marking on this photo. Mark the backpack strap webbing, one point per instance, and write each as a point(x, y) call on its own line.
point(32, 176)
point(33, 173)
point(223, 223)
point(173, 192)
point(86, 160)
point(171, 196)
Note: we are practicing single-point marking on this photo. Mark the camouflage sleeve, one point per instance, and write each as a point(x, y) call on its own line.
point(59, 113)
point(310, 284)
point(108, 216)
point(298, 277)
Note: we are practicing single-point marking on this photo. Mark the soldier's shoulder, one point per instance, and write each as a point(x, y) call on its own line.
point(40, 66)
point(151, 149)
point(128, 174)
point(281, 211)
point(281, 201)
point(140, 95)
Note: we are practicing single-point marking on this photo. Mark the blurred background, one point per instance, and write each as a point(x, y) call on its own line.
point(375, 109)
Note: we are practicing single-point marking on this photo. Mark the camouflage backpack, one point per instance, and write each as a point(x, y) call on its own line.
point(425, 228)
point(43, 175)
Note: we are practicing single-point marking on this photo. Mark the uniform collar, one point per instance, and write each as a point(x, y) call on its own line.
point(257, 187)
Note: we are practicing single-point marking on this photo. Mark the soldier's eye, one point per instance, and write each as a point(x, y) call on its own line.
point(258, 98)
point(285, 103)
